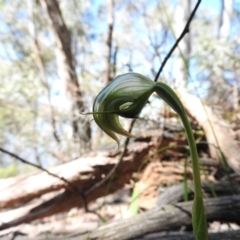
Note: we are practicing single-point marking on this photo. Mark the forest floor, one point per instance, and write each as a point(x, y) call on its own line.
point(166, 167)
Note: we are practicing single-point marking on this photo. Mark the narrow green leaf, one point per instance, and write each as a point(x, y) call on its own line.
point(134, 205)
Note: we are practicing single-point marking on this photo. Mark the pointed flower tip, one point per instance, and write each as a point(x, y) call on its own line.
point(129, 135)
point(86, 113)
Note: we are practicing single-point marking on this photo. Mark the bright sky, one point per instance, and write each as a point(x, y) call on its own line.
point(214, 4)
point(59, 100)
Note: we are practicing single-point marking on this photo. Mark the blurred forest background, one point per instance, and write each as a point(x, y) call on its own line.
point(56, 55)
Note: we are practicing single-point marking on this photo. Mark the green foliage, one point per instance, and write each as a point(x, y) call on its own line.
point(9, 171)
point(134, 204)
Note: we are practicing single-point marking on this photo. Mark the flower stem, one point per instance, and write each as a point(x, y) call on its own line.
point(198, 215)
point(194, 155)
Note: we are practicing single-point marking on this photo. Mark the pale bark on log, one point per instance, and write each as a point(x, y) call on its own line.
point(174, 194)
point(54, 196)
point(83, 173)
point(229, 235)
point(169, 216)
point(166, 218)
point(217, 130)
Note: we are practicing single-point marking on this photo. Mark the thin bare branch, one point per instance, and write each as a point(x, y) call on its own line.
point(75, 188)
point(184, 32)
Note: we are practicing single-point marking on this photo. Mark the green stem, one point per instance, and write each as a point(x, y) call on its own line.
point(194, 155)
point(198, 214)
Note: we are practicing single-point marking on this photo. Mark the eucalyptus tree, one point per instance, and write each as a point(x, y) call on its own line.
point(36, 120)
point(216, 54)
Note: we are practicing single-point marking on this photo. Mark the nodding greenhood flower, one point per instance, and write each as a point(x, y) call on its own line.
point(126, 96)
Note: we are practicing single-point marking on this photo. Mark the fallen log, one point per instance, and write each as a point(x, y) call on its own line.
point(83, 173)
point(161, 219)
point(168, 217)
point(174, 194)
point(217, 130)
point(228, 235)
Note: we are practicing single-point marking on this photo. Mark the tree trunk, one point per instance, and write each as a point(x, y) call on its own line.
point(183, 52)
point(225, 19)
point(109, 41)
point(67, 72)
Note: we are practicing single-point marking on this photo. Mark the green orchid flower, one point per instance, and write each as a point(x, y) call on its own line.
point(126, 96)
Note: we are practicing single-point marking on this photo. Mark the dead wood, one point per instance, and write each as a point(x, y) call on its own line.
point(217, 130)
point(168, 217)
point(229, 235)
point(164, 218)
point(54, 196)
point(83, 173)
point(174, 194)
